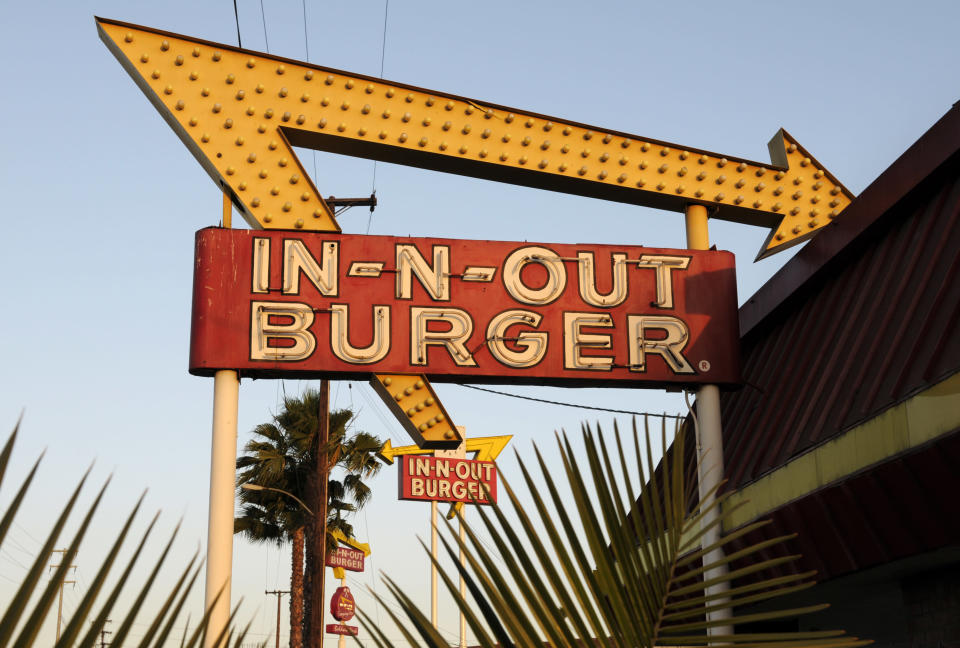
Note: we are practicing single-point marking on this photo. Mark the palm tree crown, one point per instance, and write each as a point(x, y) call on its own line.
point(278, 459)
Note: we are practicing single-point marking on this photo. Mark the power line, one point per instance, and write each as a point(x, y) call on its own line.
point(236, 17)
point(306, 44)
point(553, 402)
point(263, 19)
point(383, 57)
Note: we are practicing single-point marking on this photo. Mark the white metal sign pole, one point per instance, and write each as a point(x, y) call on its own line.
point(709, 445)
point(223, 457)
point(433, 565)
point(460, 452)
point(342, 641)
point(463, 583)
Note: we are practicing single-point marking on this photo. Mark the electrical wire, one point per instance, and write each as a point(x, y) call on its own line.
point(306, 45)
point(578, 406)
point(263, 19)
point(236, 17)
point(383, 56)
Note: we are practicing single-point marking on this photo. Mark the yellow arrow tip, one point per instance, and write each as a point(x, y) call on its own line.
point(386, 452)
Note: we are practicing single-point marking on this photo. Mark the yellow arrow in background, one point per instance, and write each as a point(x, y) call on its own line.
point(388, 453)
point(486, 448)
point(240, 112)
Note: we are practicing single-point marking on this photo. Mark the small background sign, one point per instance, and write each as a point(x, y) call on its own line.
point(345, 557)
point(342, 629)
point(442, 479)
point(342, 605)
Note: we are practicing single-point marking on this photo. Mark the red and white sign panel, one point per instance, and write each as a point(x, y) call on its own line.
point(342, 605)
point(345, 557)
point(282, 303)
point(442, 479)
point(342, 629)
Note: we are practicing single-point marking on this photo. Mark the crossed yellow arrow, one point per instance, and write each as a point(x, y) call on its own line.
point(485, 449)
point(338, 535)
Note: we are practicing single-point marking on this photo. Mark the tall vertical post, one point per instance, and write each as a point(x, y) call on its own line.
point(279, 594)
point(434, 551)
point(342, 641)
point(709, 445)
point(319, 478)
point(463, 583)
point(223, 457)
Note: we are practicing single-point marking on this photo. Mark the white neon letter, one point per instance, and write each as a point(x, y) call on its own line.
point(454, 339)
point(340, 337)
point(534, 345)
point(297, 258)
point(670, 348)
point(300, 342)
point(435, 280)
point(588, 281)
point(663, 264)
point(261, 266)
point(575, 340)
point(556, 275)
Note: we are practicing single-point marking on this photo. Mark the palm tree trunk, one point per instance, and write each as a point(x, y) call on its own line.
point(307, 585)
point(296, 590)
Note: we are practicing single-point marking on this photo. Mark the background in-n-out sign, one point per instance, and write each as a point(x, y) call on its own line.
point(311, 304)
point(446, 479)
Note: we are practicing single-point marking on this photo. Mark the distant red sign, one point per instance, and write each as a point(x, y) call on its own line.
point(341, 629)
point(309, 304)
point(345, 557)
point(441, 479)
point(342, 605)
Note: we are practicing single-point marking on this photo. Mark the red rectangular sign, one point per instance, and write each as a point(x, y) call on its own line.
point(346, 557)
point(283, 303)
point(443, 479)
point(343, 629)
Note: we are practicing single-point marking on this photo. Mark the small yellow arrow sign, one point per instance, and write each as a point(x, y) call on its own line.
point(486, 448)
point(388, 453)
point(240, 112)
point(338, 535)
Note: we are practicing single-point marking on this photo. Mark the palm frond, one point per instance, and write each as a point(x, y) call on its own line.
point(616, 562)
point(19, 616)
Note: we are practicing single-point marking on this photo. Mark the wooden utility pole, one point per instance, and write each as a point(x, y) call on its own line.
point(103, 634)
point(62, 552)
point(279, 594)
point(318, 497)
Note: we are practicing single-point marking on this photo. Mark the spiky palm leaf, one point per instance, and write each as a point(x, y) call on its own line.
point(612, 566)
point(20, 623)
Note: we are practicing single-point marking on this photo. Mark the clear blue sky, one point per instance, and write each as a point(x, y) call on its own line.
point(101, 201)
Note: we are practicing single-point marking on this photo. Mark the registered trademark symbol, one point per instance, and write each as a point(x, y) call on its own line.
point(704, 365)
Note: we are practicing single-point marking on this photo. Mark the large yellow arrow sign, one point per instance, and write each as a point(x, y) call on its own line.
point(240, 112)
